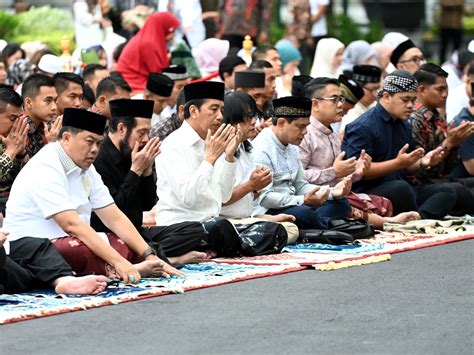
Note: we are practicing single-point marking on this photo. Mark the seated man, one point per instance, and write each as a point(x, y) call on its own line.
point(125, 164)
point(407, 56)
point(290, 191)
point(39, 102)
point(93, 74)
point(466, 150)
point(385, 134)
point(180, 77)
point(34, 263)
point(324, 163)
point(352, 93)
point(158, 89)
point(227, 69)
point(165, 127)
point(13, 133)
point(192, 183)
point(70, 90)
point(430, 131)
point(53, 197)
point(111, 88)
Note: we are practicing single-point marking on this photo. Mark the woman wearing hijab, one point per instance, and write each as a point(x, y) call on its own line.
point(146, 52)
point(327, 59)
point(208, 55)
point(290, 60)
point(358, 53)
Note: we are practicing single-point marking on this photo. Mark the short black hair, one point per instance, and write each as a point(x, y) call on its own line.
point(63, 79)
point(90, 69)
point(32, 85)
point(237, 106)
point(129, 122)
point(8, 96)
point(72, 130)
point(318, 85)
point(198, 103)
point(260, 65)
point(10, 49)
point(88, 94)
point(110, 85)
point(261, 52)
point(428, 73)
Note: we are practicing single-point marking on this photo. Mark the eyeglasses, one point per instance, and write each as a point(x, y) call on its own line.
point(334, 99)
point(417, 59)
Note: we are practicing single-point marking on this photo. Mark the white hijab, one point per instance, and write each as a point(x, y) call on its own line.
point(323, 58)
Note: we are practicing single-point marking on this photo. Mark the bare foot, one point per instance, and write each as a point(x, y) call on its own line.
point(85, 285)
point(192, 257)
point(404, 217)
point(151, 268)
point(282, 217)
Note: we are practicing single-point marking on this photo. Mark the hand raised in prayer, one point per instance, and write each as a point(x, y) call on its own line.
point(260, 178)
point(233, 144)
point(15, 141)
point(432, 158)
point(313, 198)
point(405, 160)
point(342, 188)
point(457, 135)
point(127, 272)
point(263, 124)
point(362, 166)
point(216, 143)
point(342, 167)
point(142, 159)
point(51, 132)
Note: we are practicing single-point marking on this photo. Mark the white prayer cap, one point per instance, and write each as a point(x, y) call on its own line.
point(50, 64)
point(393, 39)
point(470, 46)
point(3, 44)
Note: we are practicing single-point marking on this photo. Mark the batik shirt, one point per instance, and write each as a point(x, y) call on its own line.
point(9, 168)
point(164, 128)
point(36, 138)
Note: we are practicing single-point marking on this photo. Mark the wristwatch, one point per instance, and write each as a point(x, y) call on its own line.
point(148, 252)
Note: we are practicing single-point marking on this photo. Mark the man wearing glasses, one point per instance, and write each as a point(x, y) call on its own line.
point(386, 135)
point(407, 56)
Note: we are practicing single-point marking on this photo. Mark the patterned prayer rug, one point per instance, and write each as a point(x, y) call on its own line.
point(42, 303)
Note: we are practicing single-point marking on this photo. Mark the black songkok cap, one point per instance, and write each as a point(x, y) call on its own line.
point(366, 73)
point(400, 50)
point(249, 79)
point(176, 72)
point(298, 84)
point(228, 64)
point(159, 84)
point(292, 107)
point(86, 120)
point(204, 90)
point(131, 108)
point(352, 91)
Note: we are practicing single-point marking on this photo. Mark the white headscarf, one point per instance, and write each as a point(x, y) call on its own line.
point(209, 53)
point(356, 53)
point(323, 57)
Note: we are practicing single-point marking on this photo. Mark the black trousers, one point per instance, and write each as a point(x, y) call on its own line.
point(432, 201)
point(448, 35)
point(32, 263)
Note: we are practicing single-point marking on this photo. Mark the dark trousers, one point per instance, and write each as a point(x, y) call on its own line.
point(32, 263)
point(448, 35)
point(430, 200)
point(308, 217)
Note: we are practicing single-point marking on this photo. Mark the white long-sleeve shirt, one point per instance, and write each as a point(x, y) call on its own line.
point(188, 187)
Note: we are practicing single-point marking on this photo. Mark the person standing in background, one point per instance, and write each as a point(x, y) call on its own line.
point(450, 25)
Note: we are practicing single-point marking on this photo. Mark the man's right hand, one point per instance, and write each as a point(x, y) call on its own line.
point(15, 141)
point(343, 168)
point(125, 270)
point(51, 132)
point(142, 160)
point(216, 143)
point(457, 135)
point(260, 178)
point(312, 198)
point(405, 159)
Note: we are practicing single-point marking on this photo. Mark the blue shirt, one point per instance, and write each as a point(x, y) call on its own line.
point(382, 137)
point(466, 150)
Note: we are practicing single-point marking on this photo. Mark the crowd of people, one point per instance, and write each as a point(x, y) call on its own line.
point(163, 151)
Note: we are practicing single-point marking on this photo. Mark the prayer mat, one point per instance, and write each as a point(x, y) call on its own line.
point(18, 307)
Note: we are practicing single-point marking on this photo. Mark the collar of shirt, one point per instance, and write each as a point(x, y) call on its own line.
point(189, 135)
point(319, 126)
point(427, 114)
point(276, 140)
point(383, 114)
point(67, 163)
point(33, 127)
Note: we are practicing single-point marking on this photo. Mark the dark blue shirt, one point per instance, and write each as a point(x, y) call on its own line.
point(466, 150)
point(382, 137)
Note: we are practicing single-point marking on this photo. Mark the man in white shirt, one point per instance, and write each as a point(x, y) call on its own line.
point(319, 29)
point(459, 97)
point(55, 193)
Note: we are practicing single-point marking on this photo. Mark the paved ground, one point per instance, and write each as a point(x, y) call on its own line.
point(420, 302)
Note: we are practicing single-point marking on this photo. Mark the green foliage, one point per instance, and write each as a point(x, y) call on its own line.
point(8, 23)
point(343, 28)
point(375, 33)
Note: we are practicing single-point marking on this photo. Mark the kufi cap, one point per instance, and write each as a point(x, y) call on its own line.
point(50, 63)
point(204, 90)
point(352, 91)
point(131, 108)
point(176, 72)
point(249, 79)
point(298, 84)
point(400, 50)
point(400, 81)
point(366, 73)
point(159, 84)
point(292, 107)
point(228, 64)
point(86, 120)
